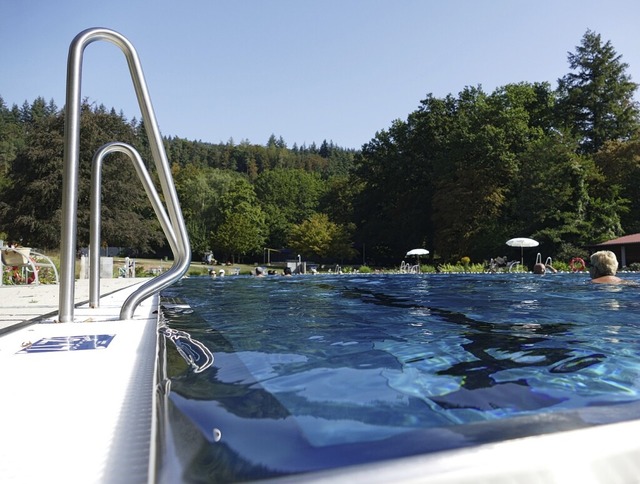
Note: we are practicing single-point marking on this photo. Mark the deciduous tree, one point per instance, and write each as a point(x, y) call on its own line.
point(318, 237)
point(287, 196)
point(242, 227)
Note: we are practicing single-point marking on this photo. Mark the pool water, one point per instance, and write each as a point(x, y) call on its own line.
point(318, 372)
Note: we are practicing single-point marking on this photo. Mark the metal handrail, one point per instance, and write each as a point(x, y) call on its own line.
point(182, 250)
point(96, 183)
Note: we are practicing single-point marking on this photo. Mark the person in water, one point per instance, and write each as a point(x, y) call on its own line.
point(540, 268)
point(604, 266)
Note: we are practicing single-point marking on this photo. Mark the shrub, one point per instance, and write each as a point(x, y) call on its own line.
point(425, 268)
point(140, 271)
point(449, 268)
point(561, 266)
point(568, 251)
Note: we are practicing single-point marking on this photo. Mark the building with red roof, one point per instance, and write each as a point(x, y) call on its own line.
point(626, 248)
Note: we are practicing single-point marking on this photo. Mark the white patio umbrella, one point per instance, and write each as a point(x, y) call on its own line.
point(418, 253)
point(522, 242)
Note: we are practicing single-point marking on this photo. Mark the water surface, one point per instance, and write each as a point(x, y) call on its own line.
point(315, 372)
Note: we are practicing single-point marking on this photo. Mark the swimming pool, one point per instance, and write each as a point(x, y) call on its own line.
point(318, 372)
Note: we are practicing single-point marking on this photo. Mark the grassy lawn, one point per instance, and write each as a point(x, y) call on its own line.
point(148, 267)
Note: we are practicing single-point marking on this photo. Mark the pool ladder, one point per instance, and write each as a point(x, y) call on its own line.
point(171, 219)
point(411, 269)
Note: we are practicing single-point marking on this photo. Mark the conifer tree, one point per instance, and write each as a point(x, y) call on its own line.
point(596, 100)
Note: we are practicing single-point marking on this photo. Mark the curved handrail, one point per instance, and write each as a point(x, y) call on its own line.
point(71, 170)
point(152, 194)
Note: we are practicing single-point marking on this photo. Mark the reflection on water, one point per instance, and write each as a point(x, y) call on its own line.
point(313, 372)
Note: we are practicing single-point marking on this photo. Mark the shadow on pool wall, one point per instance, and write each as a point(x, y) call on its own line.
point(526, 372)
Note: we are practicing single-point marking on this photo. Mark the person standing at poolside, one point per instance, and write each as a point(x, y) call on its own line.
point(604, 266)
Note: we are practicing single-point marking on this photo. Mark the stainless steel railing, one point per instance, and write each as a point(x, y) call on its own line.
point(172, 221)
point(154, 198)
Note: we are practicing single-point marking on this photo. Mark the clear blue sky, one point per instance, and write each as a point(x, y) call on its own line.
point(306, 70)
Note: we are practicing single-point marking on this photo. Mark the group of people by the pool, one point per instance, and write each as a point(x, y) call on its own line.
point(603, 269)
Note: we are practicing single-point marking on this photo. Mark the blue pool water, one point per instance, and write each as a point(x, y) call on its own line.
point(317, 372)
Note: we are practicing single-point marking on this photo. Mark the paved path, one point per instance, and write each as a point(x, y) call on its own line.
point(25, 302)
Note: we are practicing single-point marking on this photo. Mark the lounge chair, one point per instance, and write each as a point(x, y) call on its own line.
point(26, 262)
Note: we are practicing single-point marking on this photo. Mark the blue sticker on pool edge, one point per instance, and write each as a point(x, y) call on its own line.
point(69, 343)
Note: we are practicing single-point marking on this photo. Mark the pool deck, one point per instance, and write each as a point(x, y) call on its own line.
point(77, 398)
point(21, 303)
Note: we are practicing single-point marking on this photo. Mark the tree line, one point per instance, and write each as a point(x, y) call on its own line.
point(463, 174)
point(459, 176)
point(236, 198)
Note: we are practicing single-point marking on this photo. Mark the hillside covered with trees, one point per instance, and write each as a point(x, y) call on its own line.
point(459, 176)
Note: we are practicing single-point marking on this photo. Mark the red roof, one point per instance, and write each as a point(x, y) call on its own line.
point(627, 239)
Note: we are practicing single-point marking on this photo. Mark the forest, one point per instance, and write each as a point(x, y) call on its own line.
point(459, 176)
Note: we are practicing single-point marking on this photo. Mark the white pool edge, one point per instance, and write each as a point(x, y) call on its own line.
point(84, 415)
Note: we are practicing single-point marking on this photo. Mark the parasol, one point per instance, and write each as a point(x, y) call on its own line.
point(522, 242)
point(418, 252)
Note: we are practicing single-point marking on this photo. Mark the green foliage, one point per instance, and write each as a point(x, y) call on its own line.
point(428, 269)
point(561, 266)
point(140, 271)
point(200, 191)
point(619, 163)
point(287, 196)
point(567, 251)
point(199, 236)
point(239, 235)
point(596, 101)
point(319, 237)
point(443, 177)
point(365, 270)
point(31, 148)
point(242, 229)
point(463, 174)
point(327, 161)
point(312, 237)
point(338, 199)
point(461, 268)
point(31, 198)
point(393, 176)
point(7, 276)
